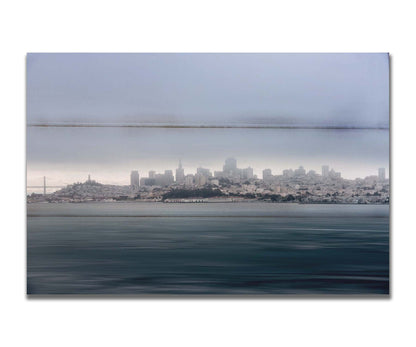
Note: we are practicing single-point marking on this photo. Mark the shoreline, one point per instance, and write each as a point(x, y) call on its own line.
point(205, 202)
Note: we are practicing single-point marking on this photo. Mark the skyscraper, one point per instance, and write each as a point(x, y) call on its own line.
point(180, 174)
point(134, 179)
point(267, 174)
point(325, 170)
point(200, 179)
point(168, 176)
point(247, 173)
point(189, 180)
point(230, 167)
point(382, 174)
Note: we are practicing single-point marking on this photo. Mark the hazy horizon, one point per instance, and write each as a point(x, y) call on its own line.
point(161, 149)
point(120, 177)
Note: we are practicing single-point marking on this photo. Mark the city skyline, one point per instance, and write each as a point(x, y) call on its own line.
point(231, 183)
point(326, 170)
point(257, 173)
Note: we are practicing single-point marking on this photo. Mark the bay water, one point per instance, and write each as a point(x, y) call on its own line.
point(251, 248)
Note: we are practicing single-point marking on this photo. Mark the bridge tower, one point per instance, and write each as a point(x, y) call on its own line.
point(44, 185)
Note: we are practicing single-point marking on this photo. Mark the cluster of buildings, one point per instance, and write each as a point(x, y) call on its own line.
point(233, 174)
point(237, 184)
point(202, 176)
point(89, 190)
point(305, 186)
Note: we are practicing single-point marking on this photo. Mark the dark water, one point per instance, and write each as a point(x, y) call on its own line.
point(238, 248)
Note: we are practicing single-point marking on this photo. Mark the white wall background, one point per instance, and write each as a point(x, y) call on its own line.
point(192, 26)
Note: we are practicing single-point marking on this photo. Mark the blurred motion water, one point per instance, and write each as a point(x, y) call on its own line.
point(218, 248)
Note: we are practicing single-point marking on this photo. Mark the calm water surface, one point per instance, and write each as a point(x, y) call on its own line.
point(221, 248)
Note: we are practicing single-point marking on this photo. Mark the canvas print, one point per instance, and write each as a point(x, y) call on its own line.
point(208, 174)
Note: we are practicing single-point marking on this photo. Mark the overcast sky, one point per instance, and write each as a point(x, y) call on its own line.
point(347, 90)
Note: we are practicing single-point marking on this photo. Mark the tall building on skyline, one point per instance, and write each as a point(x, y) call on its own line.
point(180, 174)
point(189, 180)
point(247, 173)
point(230, 167)
point(382, 173)
point(200, 179)
point(325, 170)
point(267, 174)
point(167, 178)
point(134, 179)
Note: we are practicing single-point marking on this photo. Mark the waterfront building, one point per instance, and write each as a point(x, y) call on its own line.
point(276, 188)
